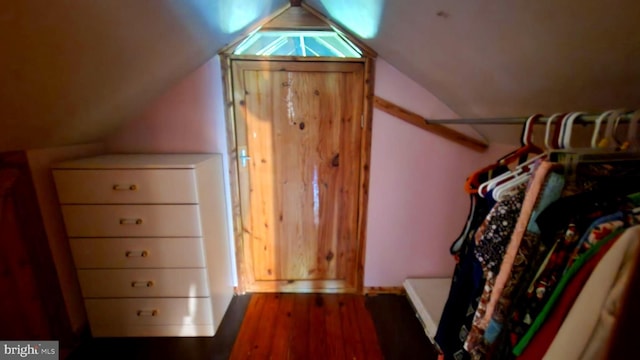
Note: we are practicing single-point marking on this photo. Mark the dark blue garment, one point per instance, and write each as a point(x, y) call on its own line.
point(466, 288)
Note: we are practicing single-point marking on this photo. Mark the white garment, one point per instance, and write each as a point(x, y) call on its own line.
point(580, 335)
point(610, 312)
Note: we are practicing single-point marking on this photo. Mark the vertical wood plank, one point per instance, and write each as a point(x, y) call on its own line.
point(236, 140)
point(227, 89)
point(261, 140)
point(365, 160)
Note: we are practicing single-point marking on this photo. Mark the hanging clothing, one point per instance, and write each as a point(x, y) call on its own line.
point(566, 298)
point(468, 280)
point(577, 211)
point(491, 241)
point(475, 343)
point(538, 180)
point(526, 256)
point(466, 287)
point(583, 333)
point(601, 228)
point(497, 228)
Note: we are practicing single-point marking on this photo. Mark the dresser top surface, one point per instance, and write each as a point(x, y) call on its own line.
point(139, 161)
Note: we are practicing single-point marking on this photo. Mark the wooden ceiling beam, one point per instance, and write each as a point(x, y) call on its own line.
point(296, 2)
point(437, 129)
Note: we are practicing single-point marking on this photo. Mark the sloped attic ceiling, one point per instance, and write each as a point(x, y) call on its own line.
point(488, 59)
point(72, 71)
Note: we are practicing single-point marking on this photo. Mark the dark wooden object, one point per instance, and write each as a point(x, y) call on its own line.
point(31, 302)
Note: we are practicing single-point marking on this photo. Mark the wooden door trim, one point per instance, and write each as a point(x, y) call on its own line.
point(242, 263)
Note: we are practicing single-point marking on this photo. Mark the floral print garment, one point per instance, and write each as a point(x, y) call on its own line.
point(492, 239)
point(525, 257)
point(497, 229)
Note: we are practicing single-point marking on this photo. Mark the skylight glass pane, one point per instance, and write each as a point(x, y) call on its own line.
point(297, 43)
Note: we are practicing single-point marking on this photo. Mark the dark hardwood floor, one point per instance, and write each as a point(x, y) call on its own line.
point(278, 335)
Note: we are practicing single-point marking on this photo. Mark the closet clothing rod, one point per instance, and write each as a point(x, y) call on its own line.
point(517, 120)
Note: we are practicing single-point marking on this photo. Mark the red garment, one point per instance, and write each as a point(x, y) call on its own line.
point(542, 340)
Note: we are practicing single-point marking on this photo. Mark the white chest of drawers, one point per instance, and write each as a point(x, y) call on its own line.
point(149, 240)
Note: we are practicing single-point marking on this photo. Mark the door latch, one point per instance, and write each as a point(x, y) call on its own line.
point(244, 157)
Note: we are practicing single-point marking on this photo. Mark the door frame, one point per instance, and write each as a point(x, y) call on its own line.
point(242, 268)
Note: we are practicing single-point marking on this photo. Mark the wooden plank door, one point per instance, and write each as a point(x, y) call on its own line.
point(298, 137)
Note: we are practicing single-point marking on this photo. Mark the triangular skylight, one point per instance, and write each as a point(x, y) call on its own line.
point(298, 43)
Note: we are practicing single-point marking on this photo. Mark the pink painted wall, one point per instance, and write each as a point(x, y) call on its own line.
point(40, 161)
point(416, 205)
point(189, 117)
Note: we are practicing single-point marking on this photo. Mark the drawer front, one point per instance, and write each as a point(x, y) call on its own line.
point(177, 311)
point(126, 186)
point(143, 283)
point(132, 220)
point(137, 252)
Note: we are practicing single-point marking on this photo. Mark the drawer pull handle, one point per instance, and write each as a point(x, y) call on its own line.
point(143, 253)
point(142, 284)
point(130, 221)
point(147, 313)
point(132, 187)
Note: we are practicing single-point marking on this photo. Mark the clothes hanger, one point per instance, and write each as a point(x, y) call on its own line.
point(547, 131)
point(527, 147)
point(619, 141)
point(609, 141)
point(500, 192)
point(490, 184)
point(557, 133)
point(522, 173)
point(567, 129)
point(560, 135)
point(632, 143)
point(527, 130)
point(473, 181)
point(596, 130)
point(501, 180)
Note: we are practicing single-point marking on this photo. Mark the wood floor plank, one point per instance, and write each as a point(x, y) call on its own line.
point(317, 329)
point(299, 346)
point(369, 337)
point(283, 324)
point(335, 335)
point(354, 348)
point(263, 338)
point(399, 331)
point(250, 328)
point(307, 326)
